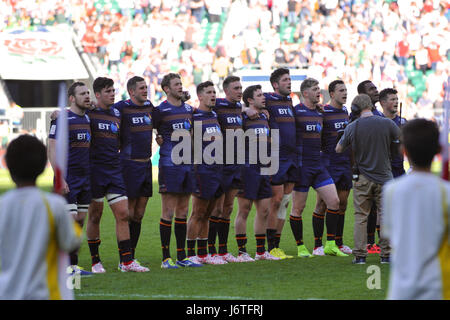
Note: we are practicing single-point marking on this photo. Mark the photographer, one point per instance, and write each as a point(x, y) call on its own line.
point(371, 139)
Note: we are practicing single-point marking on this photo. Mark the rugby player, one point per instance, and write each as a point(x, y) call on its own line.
point(281, 117)
point(76, 183)
point(389, 103)
point(312, 173)
point(229, 114)
point(207, 174)
point(335, 119)
point(135, 153)
point(176, 182)
point(256, 187)
point(106, 178)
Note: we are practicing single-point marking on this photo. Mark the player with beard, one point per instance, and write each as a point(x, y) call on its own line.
point(335, 119)
point(176, 182)
point(76, 184)
point(312, 173)
point(281, 117)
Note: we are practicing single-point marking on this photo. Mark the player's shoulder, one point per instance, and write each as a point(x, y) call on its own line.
point(272, 96)
point(188, 107)
point(115, 111)
point(222, 102)
point(148, 104)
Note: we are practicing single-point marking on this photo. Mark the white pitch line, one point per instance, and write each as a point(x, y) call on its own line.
point(160, 296)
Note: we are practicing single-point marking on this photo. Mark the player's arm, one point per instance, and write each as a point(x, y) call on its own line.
point(252, 114)
point(156, 116)
point(51, 153)
point(344, 142)
point(395, 142)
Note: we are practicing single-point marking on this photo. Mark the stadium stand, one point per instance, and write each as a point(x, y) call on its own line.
point(208, 39)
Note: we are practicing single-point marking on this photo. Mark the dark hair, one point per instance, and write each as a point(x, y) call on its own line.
point(362, 86)
point(71, 91)
point(26, 158)
point(131, 83)
point(165, 82)
point(277, 74)
point(385, 92)
point(228, 80)
point(420, 137)
point(102, 83)
point(332, 86)
point(249, 93)
point(204, 85)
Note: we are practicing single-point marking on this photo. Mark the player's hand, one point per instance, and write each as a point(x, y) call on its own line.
point(252, 114)
point(54, 115)
point(266, 113)
point(65, 188)
point(186, 96)
point(159, 139)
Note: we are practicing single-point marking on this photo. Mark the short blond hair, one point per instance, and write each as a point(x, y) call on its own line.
point(363, 102)
point(308, 83)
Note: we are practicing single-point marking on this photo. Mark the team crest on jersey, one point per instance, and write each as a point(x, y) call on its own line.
point(116, 112)
point(187, 124)
point(114, 127)
point(188, 107)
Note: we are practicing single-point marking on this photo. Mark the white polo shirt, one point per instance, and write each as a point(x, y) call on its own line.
point(413, 220)
point(36, 233)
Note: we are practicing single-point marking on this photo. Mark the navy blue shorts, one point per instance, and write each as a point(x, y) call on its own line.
point(254, 185)
point(231, 177)
point(398, 171)
point(342, 176)
point(208, 181)
point(287, 172)
point(312, 176)
point(138, 178)
point(176, 179)
point(106, 179)
point(79, 189)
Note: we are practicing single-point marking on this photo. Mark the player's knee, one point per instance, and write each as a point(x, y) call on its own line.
point(333, 203)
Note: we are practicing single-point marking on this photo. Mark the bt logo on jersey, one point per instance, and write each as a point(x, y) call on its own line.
point(340, 125)
point(103, 126)
point(83, 136)
point(137, 120)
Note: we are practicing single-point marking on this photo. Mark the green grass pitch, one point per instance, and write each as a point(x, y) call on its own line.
point(292, 279)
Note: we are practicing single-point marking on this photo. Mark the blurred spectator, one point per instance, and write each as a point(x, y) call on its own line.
point(384, 41)
point(15, 114)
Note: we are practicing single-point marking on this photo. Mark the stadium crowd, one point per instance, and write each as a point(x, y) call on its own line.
point(385, 41)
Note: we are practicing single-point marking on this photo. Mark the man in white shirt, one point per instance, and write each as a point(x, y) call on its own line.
point(36, 232)
point(415, 218)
